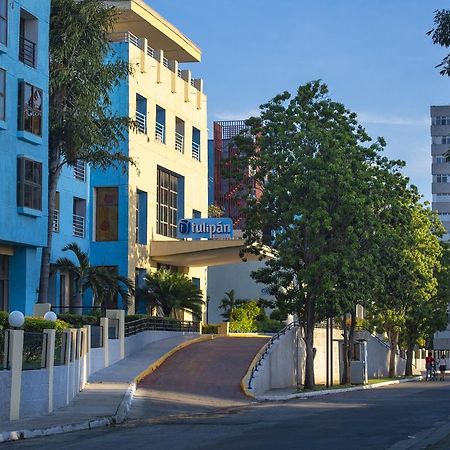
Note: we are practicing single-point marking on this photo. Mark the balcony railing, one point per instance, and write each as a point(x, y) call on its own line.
point(141, 122)
point(55, 223)
point(159, 132)
point(79, 171)
point(79, 226)
point(196, 151)
point(179, 142)
point(27, 51)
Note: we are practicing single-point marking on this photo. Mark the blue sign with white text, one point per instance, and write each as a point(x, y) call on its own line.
point(220, 228)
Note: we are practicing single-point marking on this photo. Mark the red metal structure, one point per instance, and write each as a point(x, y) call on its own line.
point(230, 194)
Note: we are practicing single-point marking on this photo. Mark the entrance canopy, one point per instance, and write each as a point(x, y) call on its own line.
point(200, 253)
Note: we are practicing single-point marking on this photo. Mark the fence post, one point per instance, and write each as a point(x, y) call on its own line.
point(15, 358)
point(105, 337)
point(49, 364)
point(119, 315)
point(87, 347)
point(78, 358)
point(67, 352)
point(200, 327)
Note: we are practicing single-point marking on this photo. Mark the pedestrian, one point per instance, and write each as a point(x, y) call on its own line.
point(429, 361)
point(442, 366)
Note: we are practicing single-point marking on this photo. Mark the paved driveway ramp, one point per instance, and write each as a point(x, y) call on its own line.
point(200, 377)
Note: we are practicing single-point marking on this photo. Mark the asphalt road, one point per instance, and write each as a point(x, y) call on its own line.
point(188, 417)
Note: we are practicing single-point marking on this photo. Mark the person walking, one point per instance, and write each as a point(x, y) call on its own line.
point(442, 366)
point(429, 361)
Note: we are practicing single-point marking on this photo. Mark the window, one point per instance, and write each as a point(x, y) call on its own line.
point(160, 125)
point(2, 94)
point(440, 159)
point(441, 197)
point(441, 140)
point(27, 38)
point(141, 113)
point(441, 120)
point(30, 109)
point(442, 178)
point(4, 283)
point(196, 214)
point(167, 203)
point(55, 225)
point(29, 183)
point(196, 282)
point(106, 214)
point(179, 135)
point(196, 143)
point(79, 170)
point(79, 217)
point(3, 22)
point(141, 217)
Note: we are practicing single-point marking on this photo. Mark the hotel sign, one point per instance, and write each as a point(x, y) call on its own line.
point(221, 228)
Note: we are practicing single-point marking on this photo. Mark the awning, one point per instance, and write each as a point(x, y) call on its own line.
point(200, 253)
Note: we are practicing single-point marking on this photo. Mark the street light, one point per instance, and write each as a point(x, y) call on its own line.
point(50, 316)
point(16, 319)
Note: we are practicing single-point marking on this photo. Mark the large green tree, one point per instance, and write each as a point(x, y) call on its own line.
point(314, 163)
point(83, 123)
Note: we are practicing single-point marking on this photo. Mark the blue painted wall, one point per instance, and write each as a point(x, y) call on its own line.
point(24, 233)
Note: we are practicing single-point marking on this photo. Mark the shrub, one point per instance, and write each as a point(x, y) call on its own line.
point(210, 329)
point(77, 320)
point(270, 326)
point(4, 320)
point(38, 325)
point(276, 314)
point(243, 319)
point(133, 317)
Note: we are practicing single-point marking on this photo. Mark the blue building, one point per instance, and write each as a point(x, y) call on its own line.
point(24, 80)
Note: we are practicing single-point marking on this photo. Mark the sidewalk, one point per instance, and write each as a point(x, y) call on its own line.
point(106, 398)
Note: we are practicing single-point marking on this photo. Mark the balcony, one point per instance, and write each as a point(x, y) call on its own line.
point(79, 223)
point(179, 142)
point(55, 223)
point(196, 151)
point(159, 132)
point(27, 51)
point(79, 171)
point(141, 122)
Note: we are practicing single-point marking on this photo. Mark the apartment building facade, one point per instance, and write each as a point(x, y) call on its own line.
point(440, 168)
point(24, 80)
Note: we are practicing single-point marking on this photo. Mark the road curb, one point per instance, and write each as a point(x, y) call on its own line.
point(301, 395)
point(106, 421)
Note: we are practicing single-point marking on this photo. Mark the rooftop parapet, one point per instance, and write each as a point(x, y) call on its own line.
point(140, 19)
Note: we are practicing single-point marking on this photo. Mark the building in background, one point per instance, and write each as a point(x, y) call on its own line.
point(440, 167)
point(24, 81)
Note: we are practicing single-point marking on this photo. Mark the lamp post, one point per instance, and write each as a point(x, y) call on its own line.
point(50, 316)
point(16, 319)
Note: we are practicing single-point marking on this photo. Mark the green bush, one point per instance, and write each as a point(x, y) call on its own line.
point(276, 314)
point(4, 320)
point(243, 319)
point(38, 325)
point(270, 326)
point(210, 329)
point(133, 317)
point(77, 320)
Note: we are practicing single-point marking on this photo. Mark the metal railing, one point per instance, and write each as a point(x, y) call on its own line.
point(4, 349)
point(79, 226)
point(150, 51)
point(159, 324)
point(196, 150)
point(159, 132)
point(85, 310)
point(27, 51)
point(179, 142)
point(79, 170)
point(55, 223)
point(266, 348)
point(141, 122)
point(34, 351)
point(125, 36)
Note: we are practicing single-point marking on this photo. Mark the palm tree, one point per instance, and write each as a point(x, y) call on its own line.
point(228, 303)
point(171, 291)
point(103, 283)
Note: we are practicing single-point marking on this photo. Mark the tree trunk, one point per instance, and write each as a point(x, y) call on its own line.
point(393, 345)
point(410, 356)
point(53, 176)
point(78, 303)
point(309, 323)
point(349, 341)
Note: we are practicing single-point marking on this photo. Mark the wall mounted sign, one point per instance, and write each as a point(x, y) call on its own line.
point(215, 228)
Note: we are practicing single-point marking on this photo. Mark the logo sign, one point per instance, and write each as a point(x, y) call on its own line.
point(221, 228)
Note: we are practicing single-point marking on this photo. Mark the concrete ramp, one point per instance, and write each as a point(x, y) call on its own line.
point(198, 378)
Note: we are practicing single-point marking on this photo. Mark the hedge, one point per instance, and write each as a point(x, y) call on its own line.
point(77, 320)
point(210, 329)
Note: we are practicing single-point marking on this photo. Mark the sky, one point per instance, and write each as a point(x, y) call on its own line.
point(374, 55)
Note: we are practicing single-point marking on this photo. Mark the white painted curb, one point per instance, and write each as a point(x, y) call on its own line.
point(298, 395)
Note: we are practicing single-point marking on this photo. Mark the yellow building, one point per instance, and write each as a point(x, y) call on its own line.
point(170, 181)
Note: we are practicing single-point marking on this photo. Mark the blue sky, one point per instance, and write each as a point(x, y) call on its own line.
point(374, 55)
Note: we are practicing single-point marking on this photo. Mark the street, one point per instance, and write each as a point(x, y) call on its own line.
point(371, 419)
